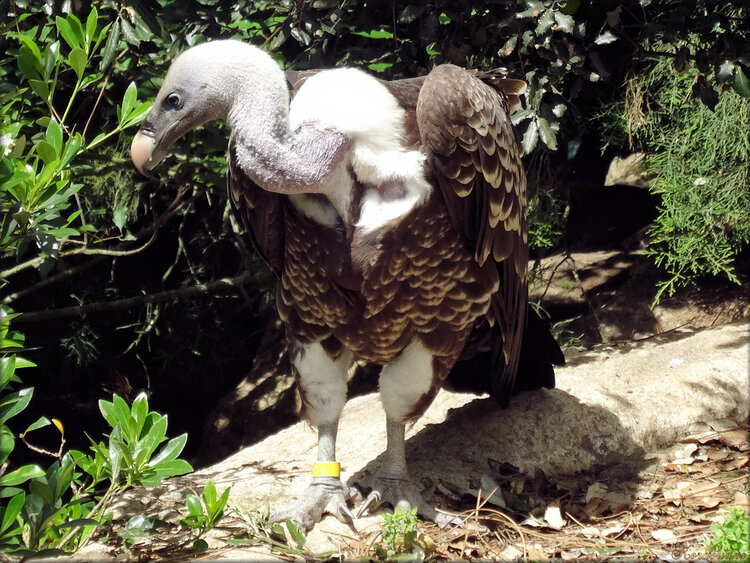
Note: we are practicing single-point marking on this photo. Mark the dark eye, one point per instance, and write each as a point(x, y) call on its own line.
point(174, 100)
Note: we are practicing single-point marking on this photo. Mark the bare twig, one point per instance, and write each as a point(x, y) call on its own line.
point(107, 306)
point(173, 208)
point(51, 280)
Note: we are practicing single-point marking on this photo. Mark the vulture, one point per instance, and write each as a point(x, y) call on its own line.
point(393, 214)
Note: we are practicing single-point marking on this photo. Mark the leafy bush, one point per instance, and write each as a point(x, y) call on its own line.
point(699, 160)
point(204, 513)
point(65, 504)
point(731, 538)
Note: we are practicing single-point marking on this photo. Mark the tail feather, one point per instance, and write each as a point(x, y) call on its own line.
point(475, 372)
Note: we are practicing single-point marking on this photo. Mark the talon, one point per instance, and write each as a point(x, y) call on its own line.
point(345, 515)
point(372, 502)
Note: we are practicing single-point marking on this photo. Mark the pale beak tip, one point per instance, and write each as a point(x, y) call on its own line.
point(141, 150)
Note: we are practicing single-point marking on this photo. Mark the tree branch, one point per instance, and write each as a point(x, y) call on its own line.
point(117, 251)
point(162, 296)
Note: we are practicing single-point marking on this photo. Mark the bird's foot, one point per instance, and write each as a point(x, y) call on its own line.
point(401, 492)
point(325, 495)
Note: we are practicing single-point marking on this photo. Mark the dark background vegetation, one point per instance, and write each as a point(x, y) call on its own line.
point(605, 78)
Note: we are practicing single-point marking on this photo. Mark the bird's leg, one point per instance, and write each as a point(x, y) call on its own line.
point(405, 383)
point(322, 385)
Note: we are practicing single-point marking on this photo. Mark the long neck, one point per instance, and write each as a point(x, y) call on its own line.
point(276, 158)
point(259, 102)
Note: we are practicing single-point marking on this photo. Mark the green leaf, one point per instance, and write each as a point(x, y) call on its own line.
point(51, 57)
point(91, 23)
point(8, 370)
point(128, 33)
point(545, 22)
point(12, 510)
point(296, 534)
point(216, 512)
point(195, 508)
point(77, 29)
point(137, 115)
point(54, 136)
point(110, 47)
point(13, 403)
point(171, 450)
point(21, 475)
point(41, 422)
point(741, 82)
point(200, 546)
point(547, 134)
point(139, 408)
point(564, 22)
point(30, 60)
point(606, 38)
point(379, 67)
point(128, 102)
point(40, 87)
point(121, 410)
point(209, 494)
point(77, 523)
point(107, 410)
point(172, 468)
point(530, 137)
point(7, 443)
point(78, 60)
point(119, 216)
point(64, 28)
point(375, 34)
point(72, 148)
point(46, 152)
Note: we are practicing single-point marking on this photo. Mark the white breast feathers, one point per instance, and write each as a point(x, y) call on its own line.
point(355, 103)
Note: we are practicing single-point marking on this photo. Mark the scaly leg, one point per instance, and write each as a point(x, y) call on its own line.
point(322, 384)
point(404, 384)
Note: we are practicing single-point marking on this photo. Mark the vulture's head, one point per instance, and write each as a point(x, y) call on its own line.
point(204, 83)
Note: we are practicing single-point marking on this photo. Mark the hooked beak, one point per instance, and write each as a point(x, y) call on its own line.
point(149, 148)
point(141, 151)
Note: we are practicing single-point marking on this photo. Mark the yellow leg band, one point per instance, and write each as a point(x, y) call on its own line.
point(326, 469)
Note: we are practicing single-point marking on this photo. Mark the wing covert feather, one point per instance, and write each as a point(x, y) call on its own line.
point(475, 160)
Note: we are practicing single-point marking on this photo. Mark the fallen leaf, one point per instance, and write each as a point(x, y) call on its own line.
point(612, 530)
point(664, 536)
point(697, 488)
point(533, 522)
point(737, 439)
point(698, 428)
point(589, 531)
point(510, 553)
point(679, 462)
point(740, 499)
point(702, 502)
point(595, 507)
point(570, 554)
point(536, 552)
point(518, 483)
point(553, 516)
point(491, 491)
point(708, 470)
point(683, 451)
point(597, 490)
point(736, 463)
point(618, 501)
point(722, 424)
point(715, 454)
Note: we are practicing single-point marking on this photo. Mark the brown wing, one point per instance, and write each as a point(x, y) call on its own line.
point(475, 159)
point(259, 212)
